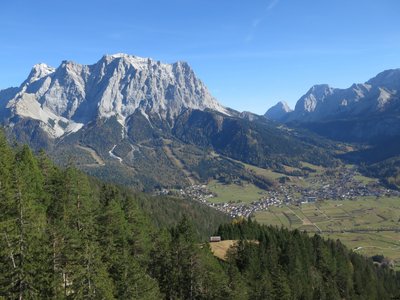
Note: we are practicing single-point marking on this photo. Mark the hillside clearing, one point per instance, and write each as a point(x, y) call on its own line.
point(219, 249)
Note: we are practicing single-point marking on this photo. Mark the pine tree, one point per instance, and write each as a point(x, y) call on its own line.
point(184, 259)
point(129, 277)
point(7, 214)
point(160, 264)
point(77, 260)
point(24, 231)
point(213, 281)
point(236, 282)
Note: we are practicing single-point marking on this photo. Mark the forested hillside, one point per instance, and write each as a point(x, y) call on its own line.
point(281, 264)
point(66, 236)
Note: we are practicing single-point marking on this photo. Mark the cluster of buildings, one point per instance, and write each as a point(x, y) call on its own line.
point(201, 194)
point(198, 192)
point(234, 209)
point(342, 185)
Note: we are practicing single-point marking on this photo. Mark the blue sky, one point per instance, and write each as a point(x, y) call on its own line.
point(250, 54)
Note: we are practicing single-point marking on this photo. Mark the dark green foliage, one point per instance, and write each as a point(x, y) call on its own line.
point(66, 236)
point(227, 170)
point(368, 128)
point(28, 131)
point(186, 269)
point(281, 264)
point(381, 160)
point(102, 135)
point(388, 171)
point(375, 138)
point(167, 211)
point(22, 224)
point(140, 128)
point(260, 143)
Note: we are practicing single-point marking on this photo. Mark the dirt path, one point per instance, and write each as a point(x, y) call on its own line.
point(100, 162)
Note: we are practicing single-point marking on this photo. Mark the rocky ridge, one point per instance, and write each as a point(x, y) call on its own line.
point(321, 102)
point(66, 98)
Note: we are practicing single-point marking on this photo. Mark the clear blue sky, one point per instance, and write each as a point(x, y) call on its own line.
point(249, 53)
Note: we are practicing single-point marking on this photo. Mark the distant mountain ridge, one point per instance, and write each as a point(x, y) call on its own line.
point(278, 111)
point(378, 95)
point(368, 112)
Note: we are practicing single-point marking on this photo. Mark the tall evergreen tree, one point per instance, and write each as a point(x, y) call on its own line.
point(24, 224)
point(7, 213)
point(80, 270)
point(118, 248)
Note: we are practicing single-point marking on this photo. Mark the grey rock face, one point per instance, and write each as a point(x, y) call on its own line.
point(279, 111)
point(66, 98)
point(378, 95)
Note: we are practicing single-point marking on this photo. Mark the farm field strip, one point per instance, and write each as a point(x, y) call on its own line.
point(371, 224)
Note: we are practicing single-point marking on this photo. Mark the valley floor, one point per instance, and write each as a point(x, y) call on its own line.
point(367, 225)
point(336, 203)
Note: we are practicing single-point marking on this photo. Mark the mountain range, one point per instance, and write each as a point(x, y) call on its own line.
point(149, 124)
point(144, 123)
point(363, 112)
point(68, 97)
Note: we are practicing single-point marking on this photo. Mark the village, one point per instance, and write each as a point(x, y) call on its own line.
point(343, 186)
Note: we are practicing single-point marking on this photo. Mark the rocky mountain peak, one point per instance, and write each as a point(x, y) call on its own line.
point(117, 85)
point(319, 91)
point(122, 59)
point(389, 79)
point(38, 71)
point(278, 111)
point(284, 106)
point(315, 95)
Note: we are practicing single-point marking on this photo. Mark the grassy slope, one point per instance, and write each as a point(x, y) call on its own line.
point(219, 249)
point(245, 193)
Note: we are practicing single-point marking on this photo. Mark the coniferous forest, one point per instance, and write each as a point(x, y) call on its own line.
point(64, 235)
